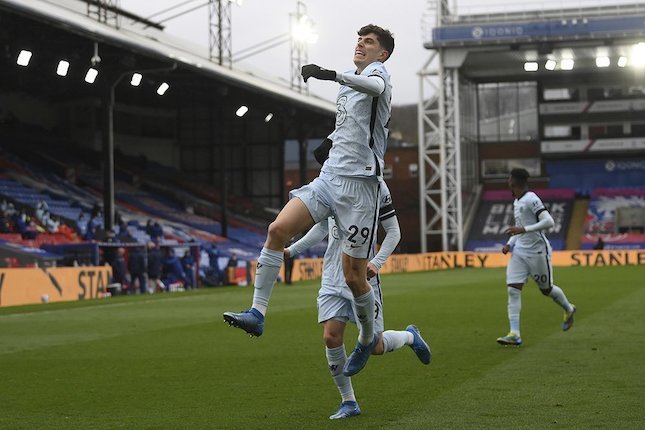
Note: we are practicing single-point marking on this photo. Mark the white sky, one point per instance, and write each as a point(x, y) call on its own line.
point(336, 22)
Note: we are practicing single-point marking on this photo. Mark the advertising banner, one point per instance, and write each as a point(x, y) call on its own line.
point(22, 286)
point(538, 30)
point(311, 268)
point(586, 175)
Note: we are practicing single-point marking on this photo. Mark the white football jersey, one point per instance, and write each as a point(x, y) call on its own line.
point(526, 210)
point(333, 279)
point(360, 137)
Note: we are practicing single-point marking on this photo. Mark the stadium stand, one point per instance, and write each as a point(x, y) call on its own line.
point(495, 214)
point(584, 175)
point(181, 159)
point(617, 216)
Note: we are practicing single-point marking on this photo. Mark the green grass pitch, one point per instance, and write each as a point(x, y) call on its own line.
point(169, 361)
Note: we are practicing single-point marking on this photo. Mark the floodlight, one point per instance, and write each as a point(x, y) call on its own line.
point(162, 89)
point(602, 61)
point(549, 65)
point(63, 67)
point(23, 58)
point(566, 64)
point(268, 117)
point(638, 55)
point(622, 61)
point(136, 79)
point(303, 31)
point(91, 75)
point(530, 66)
point(241, 111)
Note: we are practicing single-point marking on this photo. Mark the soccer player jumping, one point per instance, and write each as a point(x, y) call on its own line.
point(347, 187)
point(531, 256)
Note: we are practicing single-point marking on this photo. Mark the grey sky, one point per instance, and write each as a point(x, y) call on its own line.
point(336, 22)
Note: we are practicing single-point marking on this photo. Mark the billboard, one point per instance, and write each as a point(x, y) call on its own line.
point(311, 268)
point(536, 30)
point(22, 286)
point(495, 214)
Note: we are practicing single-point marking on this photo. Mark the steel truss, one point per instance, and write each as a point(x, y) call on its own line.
point(220, 41)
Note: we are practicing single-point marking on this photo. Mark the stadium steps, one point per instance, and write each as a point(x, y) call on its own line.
point(577, 223)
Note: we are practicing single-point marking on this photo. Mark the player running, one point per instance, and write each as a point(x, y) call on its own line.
point(335, 304)
point(346, 188)
point(531, 256)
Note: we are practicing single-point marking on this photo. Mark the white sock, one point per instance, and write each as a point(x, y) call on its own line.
point(514, 308)
point(365, 315)
point(558, 296)
point(393, 340)
point(266, 273)
point(336, 358)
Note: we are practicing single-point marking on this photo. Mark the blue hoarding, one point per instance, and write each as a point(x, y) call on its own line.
point(540, 30)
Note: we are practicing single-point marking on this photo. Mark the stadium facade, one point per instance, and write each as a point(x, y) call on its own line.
point(552, 91)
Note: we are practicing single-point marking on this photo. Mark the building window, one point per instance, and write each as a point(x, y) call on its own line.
point(501, 167)
point(551, 131)
point(556, 94)
point(508, 112)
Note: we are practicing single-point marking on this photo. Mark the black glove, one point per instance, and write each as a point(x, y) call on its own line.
point(313, 71)
point(321, 153)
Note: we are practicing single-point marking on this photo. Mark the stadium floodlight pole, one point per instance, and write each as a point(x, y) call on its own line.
point(105, 11)
point(302, 34)
point(108, 143)
point(220, 32)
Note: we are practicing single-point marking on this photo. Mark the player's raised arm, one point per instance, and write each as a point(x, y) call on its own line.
point(317, 233)
point(372, 85)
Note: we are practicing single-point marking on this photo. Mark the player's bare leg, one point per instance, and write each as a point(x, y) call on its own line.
point(292, 219)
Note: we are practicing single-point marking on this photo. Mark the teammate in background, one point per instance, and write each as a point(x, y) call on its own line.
point(347, 188)
point(335, 304)
point(531, 256)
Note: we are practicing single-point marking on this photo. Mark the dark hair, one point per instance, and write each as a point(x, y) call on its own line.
point(384, 36)
point(521, 176)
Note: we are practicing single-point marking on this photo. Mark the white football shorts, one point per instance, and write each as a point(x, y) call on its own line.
point(537, 266)
point(354, 203)
point(334, 304)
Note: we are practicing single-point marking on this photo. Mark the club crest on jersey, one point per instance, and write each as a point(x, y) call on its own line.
point(334, 232)
point(341, 111)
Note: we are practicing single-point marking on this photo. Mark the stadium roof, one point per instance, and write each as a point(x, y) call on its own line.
point(593, 23)
point(133, 34)
point(496, 46)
